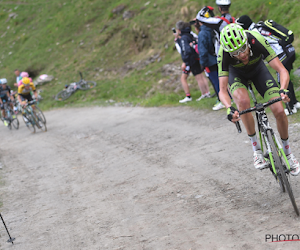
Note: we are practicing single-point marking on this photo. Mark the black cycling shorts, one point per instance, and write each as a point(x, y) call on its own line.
point(26, 97)
point(261, 77)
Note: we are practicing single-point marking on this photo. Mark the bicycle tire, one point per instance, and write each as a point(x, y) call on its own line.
point(13, 118)
point(15, 122)
point(85, 85)
point(276, 176)
point(282, 173)
point(63, 95)
point(38, 122)
point(29, 124)
point(9, 125)
point(40, 115)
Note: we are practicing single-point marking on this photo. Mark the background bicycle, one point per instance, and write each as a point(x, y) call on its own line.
point(73, 87)
point(33, 117)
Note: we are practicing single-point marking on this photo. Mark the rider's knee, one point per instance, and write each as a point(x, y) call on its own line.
point(242, 103)
point(279, 113)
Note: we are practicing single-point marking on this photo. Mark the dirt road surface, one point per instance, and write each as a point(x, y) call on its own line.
point(140, 178)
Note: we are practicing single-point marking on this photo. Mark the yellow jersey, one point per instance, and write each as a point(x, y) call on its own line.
point(23, 91)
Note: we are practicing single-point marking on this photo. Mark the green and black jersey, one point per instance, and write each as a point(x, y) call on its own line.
point(261, 50)
point(255, 70)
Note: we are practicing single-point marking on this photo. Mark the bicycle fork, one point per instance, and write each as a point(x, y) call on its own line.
point(274, 151)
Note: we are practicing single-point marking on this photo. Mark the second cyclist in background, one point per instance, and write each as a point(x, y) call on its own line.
point(24, 91)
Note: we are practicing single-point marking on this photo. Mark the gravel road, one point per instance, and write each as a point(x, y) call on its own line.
point(140, 178)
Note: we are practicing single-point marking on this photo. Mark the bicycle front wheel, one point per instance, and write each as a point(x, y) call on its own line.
point(85, 85)
point(274, 152)
point(28, 122)
point(281, 172)
point(38, 121)
point(15, 123)
point(63, 95)
point(40, 115)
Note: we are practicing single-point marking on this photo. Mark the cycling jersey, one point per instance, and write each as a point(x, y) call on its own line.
point(3, 91)
point(23, 91)
point(255, 70)
point(259, 49)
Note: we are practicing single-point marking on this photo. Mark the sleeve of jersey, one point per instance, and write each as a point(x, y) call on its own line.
point(20, 90)
point(262, 44)
point(32, 86)
point(223, 64)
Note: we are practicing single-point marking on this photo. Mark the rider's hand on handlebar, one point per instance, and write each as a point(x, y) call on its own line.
point(233, 114)
point(284, 95)
point(23, 103)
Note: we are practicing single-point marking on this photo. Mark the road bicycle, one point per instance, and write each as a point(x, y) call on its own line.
point(33, 117)
point(11, 118)
point(73, 87)
point(272, 148)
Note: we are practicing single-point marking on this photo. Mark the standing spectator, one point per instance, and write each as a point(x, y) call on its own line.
point(208, 58)
point(185, 72)
point(191, 60)
point(218, 23)
point(18, 75)
point(285, 53)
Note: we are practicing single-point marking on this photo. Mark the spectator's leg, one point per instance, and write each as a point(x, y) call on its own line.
point(202, 83)
point(184, 84)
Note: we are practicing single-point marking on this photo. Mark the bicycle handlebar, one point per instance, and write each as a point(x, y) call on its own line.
point(258, 106)
point(31, 102)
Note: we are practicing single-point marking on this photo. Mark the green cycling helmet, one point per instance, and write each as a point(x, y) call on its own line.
point(232, 37)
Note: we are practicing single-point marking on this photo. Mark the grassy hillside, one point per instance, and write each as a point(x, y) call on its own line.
point(124, 56)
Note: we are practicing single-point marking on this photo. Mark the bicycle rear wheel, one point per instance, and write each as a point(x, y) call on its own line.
point(85, 85)
point(63, 95)
point(281, 172)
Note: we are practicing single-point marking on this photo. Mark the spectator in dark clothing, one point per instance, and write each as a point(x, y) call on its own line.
point(191, 59)
point(208, 58)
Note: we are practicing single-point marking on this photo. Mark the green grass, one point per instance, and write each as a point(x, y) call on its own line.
point(61, 38)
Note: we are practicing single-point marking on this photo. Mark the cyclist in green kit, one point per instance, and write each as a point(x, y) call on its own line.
point(240, 60)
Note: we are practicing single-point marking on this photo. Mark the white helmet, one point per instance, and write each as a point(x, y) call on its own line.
point(223, 2)
point(3, 81)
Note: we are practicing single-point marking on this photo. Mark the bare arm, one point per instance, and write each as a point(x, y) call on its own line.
point(284, 76)
point(19, 99)
point(36, 95)
point(223, 94)
point(283, 73)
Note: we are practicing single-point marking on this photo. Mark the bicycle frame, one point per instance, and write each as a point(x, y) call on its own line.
point(275, 151)
point(29, 110)
point(263, 126)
